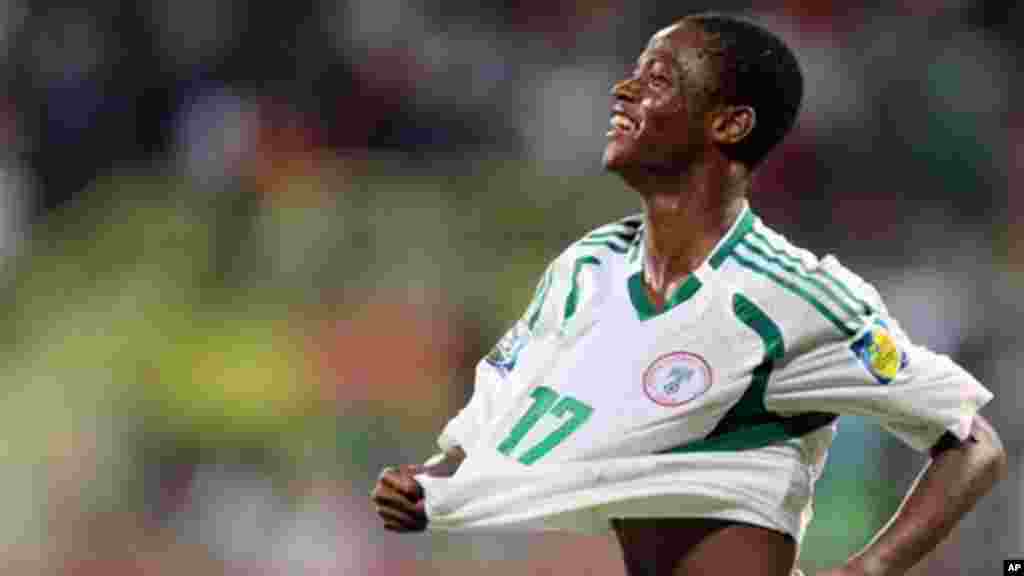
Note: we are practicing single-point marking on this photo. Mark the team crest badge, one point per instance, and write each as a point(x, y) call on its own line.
point(675, 379)
point(878, 352)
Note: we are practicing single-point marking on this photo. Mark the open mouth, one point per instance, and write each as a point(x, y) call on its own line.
point(622, 124)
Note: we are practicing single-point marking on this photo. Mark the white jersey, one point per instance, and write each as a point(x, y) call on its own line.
point(596, 405)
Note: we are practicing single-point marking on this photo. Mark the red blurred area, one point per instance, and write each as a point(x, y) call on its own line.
point(393, 354)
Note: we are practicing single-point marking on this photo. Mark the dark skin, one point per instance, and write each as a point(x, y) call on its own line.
point(398, 497)
point(669, 145)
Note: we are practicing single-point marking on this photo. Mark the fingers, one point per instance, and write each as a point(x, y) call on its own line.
point(402, 481)
point(401, 521)
point(385, 496)
point(399, 502)
point(400, 517)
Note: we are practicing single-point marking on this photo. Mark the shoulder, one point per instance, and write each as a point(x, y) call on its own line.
point(589, 256)
point(811, 298)
point(601, 249)
point(614, 238)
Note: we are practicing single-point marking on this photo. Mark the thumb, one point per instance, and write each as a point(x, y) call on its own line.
point(408, 485)
point(412, 469)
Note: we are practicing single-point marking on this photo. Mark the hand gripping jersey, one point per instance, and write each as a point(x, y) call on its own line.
point(596, 405)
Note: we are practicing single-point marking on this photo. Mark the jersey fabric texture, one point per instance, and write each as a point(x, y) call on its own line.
point(597, 405)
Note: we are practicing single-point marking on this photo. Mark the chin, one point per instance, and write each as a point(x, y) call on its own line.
point(614, 159)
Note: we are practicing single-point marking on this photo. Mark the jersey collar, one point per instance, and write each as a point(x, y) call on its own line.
point(644, 308)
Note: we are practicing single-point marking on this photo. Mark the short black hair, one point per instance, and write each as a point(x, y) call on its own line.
point(757, 70)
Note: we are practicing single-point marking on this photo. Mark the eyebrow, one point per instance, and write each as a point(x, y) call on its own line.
point(663, 55)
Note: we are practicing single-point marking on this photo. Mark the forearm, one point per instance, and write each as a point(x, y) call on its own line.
point(943, 493)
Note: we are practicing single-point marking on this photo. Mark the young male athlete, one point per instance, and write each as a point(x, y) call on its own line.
point(678, 375)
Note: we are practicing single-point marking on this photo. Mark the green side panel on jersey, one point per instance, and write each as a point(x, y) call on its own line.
point(645, 309)
point(751, 404)
point(748, 313)
point(574, 294)
point(759, 435)
point(748, 424)
point(806, 296)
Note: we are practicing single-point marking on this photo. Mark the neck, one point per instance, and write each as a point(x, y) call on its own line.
point(685, 217)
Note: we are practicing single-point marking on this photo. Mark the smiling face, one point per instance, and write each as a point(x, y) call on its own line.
point(660, 119)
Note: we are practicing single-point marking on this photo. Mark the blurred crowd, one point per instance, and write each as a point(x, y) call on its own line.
point(251, 251)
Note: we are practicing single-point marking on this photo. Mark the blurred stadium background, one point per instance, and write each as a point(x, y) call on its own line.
point(251, 251)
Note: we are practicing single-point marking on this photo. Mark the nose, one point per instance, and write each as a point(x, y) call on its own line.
point(625, 89)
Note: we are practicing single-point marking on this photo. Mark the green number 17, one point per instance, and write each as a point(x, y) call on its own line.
point(546, 401)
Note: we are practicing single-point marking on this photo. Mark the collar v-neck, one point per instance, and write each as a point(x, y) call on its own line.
point(645, 309)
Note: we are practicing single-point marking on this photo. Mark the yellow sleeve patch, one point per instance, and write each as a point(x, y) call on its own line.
point(878, 351)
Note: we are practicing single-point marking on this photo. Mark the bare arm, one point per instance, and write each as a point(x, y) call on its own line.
point(958, 475)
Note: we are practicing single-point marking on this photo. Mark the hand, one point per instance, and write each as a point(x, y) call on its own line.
point(399, 500)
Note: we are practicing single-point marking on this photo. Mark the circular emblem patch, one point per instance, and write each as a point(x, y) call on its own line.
point(676, 378)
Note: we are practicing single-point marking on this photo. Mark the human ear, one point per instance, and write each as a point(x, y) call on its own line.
point(732, 124)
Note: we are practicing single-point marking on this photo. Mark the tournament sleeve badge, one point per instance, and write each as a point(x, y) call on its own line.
point(506, 352)
point(879, 353)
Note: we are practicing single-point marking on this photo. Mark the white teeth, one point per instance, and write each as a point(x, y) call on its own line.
point(620, 122)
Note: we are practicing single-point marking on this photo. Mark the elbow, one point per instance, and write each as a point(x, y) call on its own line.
point(996, 463)
point(999, 464)
point(990, 450)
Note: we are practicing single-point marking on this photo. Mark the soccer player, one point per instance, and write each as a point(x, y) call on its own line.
point(678, 374)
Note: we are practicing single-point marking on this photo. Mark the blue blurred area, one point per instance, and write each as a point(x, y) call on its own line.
point(251, 253)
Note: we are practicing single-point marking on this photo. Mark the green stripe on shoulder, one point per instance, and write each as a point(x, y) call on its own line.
point(794, 288)
point(740, 230)
point(606, 243)
point(573, 299)
point(801, 275)
point(626, 237)
point(624, 230)
point(780, 249)
point(539, 295)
